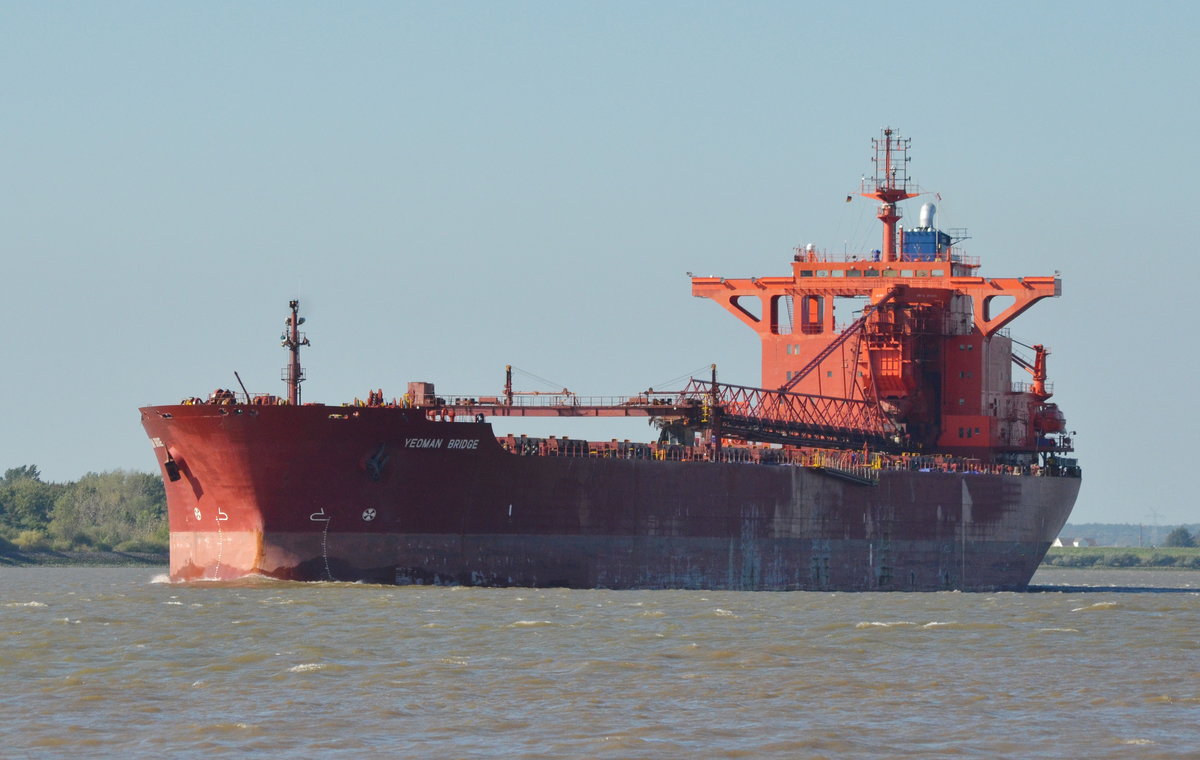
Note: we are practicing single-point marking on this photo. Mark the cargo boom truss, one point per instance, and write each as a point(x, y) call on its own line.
point(725, 411)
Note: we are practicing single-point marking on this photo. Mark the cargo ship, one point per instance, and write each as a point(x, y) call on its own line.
point(888, 446)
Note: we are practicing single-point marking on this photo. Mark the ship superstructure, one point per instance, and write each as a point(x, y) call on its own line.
point(918, 332)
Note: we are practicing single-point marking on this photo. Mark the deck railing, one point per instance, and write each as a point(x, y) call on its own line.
point(867, 466)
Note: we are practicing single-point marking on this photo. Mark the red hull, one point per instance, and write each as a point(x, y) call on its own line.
point(383, 494)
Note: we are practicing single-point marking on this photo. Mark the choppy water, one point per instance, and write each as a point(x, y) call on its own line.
point(116, 662)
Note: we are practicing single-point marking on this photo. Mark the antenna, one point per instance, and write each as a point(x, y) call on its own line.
point(890, 185)
point(293, 339)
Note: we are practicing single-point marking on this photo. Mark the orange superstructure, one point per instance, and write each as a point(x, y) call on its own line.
point(911, 327)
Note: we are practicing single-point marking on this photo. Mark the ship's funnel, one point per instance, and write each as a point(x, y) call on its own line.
point(927, 212)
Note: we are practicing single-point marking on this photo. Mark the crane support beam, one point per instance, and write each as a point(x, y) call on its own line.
point(849, 332)
point(735, 411)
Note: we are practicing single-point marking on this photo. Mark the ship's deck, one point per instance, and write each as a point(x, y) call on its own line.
point(866, 465)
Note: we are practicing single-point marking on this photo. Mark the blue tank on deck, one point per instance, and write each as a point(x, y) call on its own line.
point(924, 245)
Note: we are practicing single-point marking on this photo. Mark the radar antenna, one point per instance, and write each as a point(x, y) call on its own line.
point(890, 185)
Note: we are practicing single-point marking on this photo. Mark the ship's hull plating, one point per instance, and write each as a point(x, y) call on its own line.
point(382, 494)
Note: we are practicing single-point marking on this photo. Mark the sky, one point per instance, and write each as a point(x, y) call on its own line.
point(452, 187)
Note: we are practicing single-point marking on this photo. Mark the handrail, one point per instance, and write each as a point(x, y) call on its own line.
point(558, 399)
point(822, 257)
point(865, 466)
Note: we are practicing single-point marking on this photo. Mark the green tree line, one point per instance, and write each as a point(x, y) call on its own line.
point(108, 511)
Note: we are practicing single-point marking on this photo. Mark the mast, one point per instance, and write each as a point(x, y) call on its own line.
point(890, 185)
point(293, 373)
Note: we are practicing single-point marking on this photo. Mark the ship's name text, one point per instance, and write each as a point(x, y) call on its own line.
point(438, 443)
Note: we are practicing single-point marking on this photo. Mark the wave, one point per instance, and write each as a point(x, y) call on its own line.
point(1098, 606)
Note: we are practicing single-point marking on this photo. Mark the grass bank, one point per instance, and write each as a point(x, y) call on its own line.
point(1123, 556)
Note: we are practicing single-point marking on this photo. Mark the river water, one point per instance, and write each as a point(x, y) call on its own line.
point(120, 663)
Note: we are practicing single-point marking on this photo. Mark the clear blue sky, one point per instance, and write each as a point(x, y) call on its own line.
point(450, 187)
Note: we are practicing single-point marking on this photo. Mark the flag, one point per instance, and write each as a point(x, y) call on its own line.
point(939, 197)
point(849, 198)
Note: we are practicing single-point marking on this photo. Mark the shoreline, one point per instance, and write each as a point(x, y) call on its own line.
point(83, 559)
point(1052, 566)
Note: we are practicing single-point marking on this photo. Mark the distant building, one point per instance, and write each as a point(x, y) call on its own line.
point(1064, 541)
